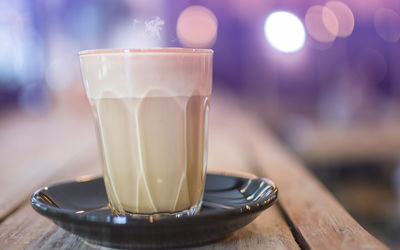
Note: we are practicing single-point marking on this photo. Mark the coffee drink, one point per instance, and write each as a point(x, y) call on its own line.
point(151, 112)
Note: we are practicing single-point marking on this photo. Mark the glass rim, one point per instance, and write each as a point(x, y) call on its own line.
point(166, 50)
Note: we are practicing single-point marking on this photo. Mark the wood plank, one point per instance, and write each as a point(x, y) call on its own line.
point(33, 149)
point(359, 143)
point(268, 231)
point(320, 222)
point(27, 229)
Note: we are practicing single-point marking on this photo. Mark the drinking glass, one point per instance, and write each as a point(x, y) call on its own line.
point(151, 113)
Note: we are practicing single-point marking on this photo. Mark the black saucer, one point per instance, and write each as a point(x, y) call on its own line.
point(229, 203)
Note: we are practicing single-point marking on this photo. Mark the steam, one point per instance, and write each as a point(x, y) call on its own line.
point(140, 33)
point(154, 26)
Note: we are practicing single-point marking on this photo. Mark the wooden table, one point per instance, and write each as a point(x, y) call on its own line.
point(356, 143)
point(61, 145)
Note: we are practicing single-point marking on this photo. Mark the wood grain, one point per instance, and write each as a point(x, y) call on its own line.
point(269, 231)
point(33, 149)
point(28, 230)
point(320, 222)
point(238, 142)
point(360, 143)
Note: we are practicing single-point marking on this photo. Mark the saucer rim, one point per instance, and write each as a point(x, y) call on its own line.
point(63, 215)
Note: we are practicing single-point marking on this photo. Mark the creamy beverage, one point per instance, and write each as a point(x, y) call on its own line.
point(153, 151)
point(151, 112)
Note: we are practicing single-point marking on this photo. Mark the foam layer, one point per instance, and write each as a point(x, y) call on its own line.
point(146, 73)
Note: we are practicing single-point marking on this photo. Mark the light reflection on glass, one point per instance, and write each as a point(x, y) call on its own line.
point(245, 187)
point(119, 220)
point(85, 178)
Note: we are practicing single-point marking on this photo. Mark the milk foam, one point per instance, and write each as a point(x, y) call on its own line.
point(147, 73)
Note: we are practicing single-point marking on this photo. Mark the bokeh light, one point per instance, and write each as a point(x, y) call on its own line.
point(344, 16)
point(387, 24)
point(365, 9)
point(321, 23)
point(197, 27)
point(284, 31)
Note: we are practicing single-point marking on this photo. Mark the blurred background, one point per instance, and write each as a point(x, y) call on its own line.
point(323, 75)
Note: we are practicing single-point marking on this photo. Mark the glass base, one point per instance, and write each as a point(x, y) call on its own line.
point(155, 216)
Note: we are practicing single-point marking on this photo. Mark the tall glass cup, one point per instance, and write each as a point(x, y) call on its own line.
point(151, 111)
